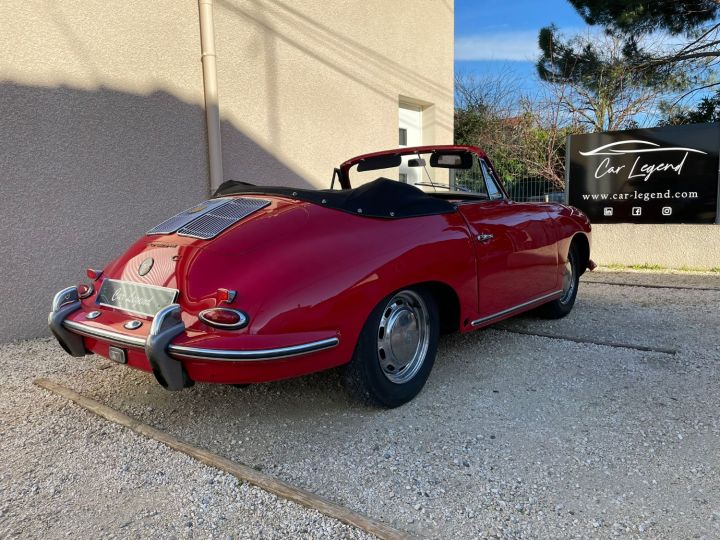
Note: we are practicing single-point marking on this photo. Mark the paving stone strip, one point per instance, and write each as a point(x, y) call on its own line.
point(649, 286)
point(585, 340)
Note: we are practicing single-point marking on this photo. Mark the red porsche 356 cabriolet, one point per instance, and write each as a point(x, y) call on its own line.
point(263, 283)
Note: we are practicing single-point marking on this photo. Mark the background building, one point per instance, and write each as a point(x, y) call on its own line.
point(102, 119)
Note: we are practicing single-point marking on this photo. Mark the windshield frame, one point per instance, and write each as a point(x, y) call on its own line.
point(344, 169)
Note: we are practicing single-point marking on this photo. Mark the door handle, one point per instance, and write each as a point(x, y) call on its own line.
point(485, 237)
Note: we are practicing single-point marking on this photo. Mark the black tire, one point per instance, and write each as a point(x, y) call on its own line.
point(413, 322)
point(557, 309)
point(240, 385)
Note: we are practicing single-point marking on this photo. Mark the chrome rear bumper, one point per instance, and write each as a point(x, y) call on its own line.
point(161, 353)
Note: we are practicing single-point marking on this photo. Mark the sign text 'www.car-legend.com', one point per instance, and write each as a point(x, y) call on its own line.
point(659, 175)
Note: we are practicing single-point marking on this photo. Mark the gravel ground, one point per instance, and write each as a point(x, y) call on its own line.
point(66, 473)
point(515, 436)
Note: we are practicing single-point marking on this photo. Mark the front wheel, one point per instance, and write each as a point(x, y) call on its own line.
point(571, 279)
point(396, 349)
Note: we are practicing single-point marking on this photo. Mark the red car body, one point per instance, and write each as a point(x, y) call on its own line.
point(307, 276)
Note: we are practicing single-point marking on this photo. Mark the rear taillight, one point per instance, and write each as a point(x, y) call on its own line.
point(225, 318)
point(85, 291)
point(225, 296)
point(94, 274)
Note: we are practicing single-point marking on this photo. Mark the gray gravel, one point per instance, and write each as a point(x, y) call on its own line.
point(515, 436)
point(67, 473)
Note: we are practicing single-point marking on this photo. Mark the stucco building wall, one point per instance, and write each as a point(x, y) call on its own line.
point(316, 82)
point(671, 246)
point(102, 126)
point(101, 133)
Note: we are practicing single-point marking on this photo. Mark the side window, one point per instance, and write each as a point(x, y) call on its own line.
point(492, 184)
point(470, 180)
point(403, 137)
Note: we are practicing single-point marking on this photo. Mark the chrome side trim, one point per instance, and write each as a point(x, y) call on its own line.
point(196, 353)
point(109, 335)
point(515, 308)
point(262, 354)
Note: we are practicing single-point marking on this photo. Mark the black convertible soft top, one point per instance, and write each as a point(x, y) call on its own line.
point(381, 198)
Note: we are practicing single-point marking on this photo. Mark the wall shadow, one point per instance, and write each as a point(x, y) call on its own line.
point(83, 173)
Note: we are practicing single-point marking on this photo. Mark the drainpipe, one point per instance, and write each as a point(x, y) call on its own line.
point(212, 109)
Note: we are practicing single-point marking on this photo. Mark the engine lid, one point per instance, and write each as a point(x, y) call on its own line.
point(208, 219)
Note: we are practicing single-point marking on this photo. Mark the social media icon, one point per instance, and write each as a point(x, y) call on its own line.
point(608, 211)
point(666, 210)
point(637, 211)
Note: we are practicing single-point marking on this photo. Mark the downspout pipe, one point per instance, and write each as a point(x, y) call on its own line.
point(212, 107)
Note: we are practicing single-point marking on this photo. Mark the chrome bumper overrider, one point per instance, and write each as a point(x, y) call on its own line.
point(166, 326)
point(66, 302)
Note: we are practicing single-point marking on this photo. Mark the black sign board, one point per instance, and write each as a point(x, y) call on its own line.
point(658, 175)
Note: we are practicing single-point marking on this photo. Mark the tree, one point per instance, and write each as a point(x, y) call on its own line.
point(633, 17)
point(524, 136)
point(707, 110)
point(486, 112)
point(545, 134)
point(482, 104)
point(600, 86)
point(693, 23)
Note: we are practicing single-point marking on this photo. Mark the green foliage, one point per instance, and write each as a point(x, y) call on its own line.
point(707, 110)
point(687, 65)
point(645, 16)
point(600, 66)
point(605, 85)
point(470, 123)
point(524, 136)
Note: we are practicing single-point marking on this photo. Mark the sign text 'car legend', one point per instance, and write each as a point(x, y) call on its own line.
point(660, 175)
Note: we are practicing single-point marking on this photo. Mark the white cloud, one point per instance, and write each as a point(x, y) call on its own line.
point(513, 45)
point(522, 45)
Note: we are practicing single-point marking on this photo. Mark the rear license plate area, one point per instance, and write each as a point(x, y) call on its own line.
point(116, 354)
point(135, 297)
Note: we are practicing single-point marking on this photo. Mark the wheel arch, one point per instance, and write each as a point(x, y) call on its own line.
point(582, 244)
point(448, 303)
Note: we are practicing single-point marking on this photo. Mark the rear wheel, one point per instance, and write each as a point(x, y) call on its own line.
point(396, 349)
point(571, 279)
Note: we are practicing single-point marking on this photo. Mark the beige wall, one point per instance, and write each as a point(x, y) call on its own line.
point(315, 82)
point(671, 246)
point(101, 133)
point(102, 129)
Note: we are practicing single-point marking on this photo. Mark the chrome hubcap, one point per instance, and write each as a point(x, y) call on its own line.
point(403, 337)
point(568, 281)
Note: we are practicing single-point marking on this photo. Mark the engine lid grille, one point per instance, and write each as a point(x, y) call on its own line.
point(172, 224)
point(210, 218)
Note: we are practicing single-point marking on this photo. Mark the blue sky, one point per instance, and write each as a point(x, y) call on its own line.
point(500, 37)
